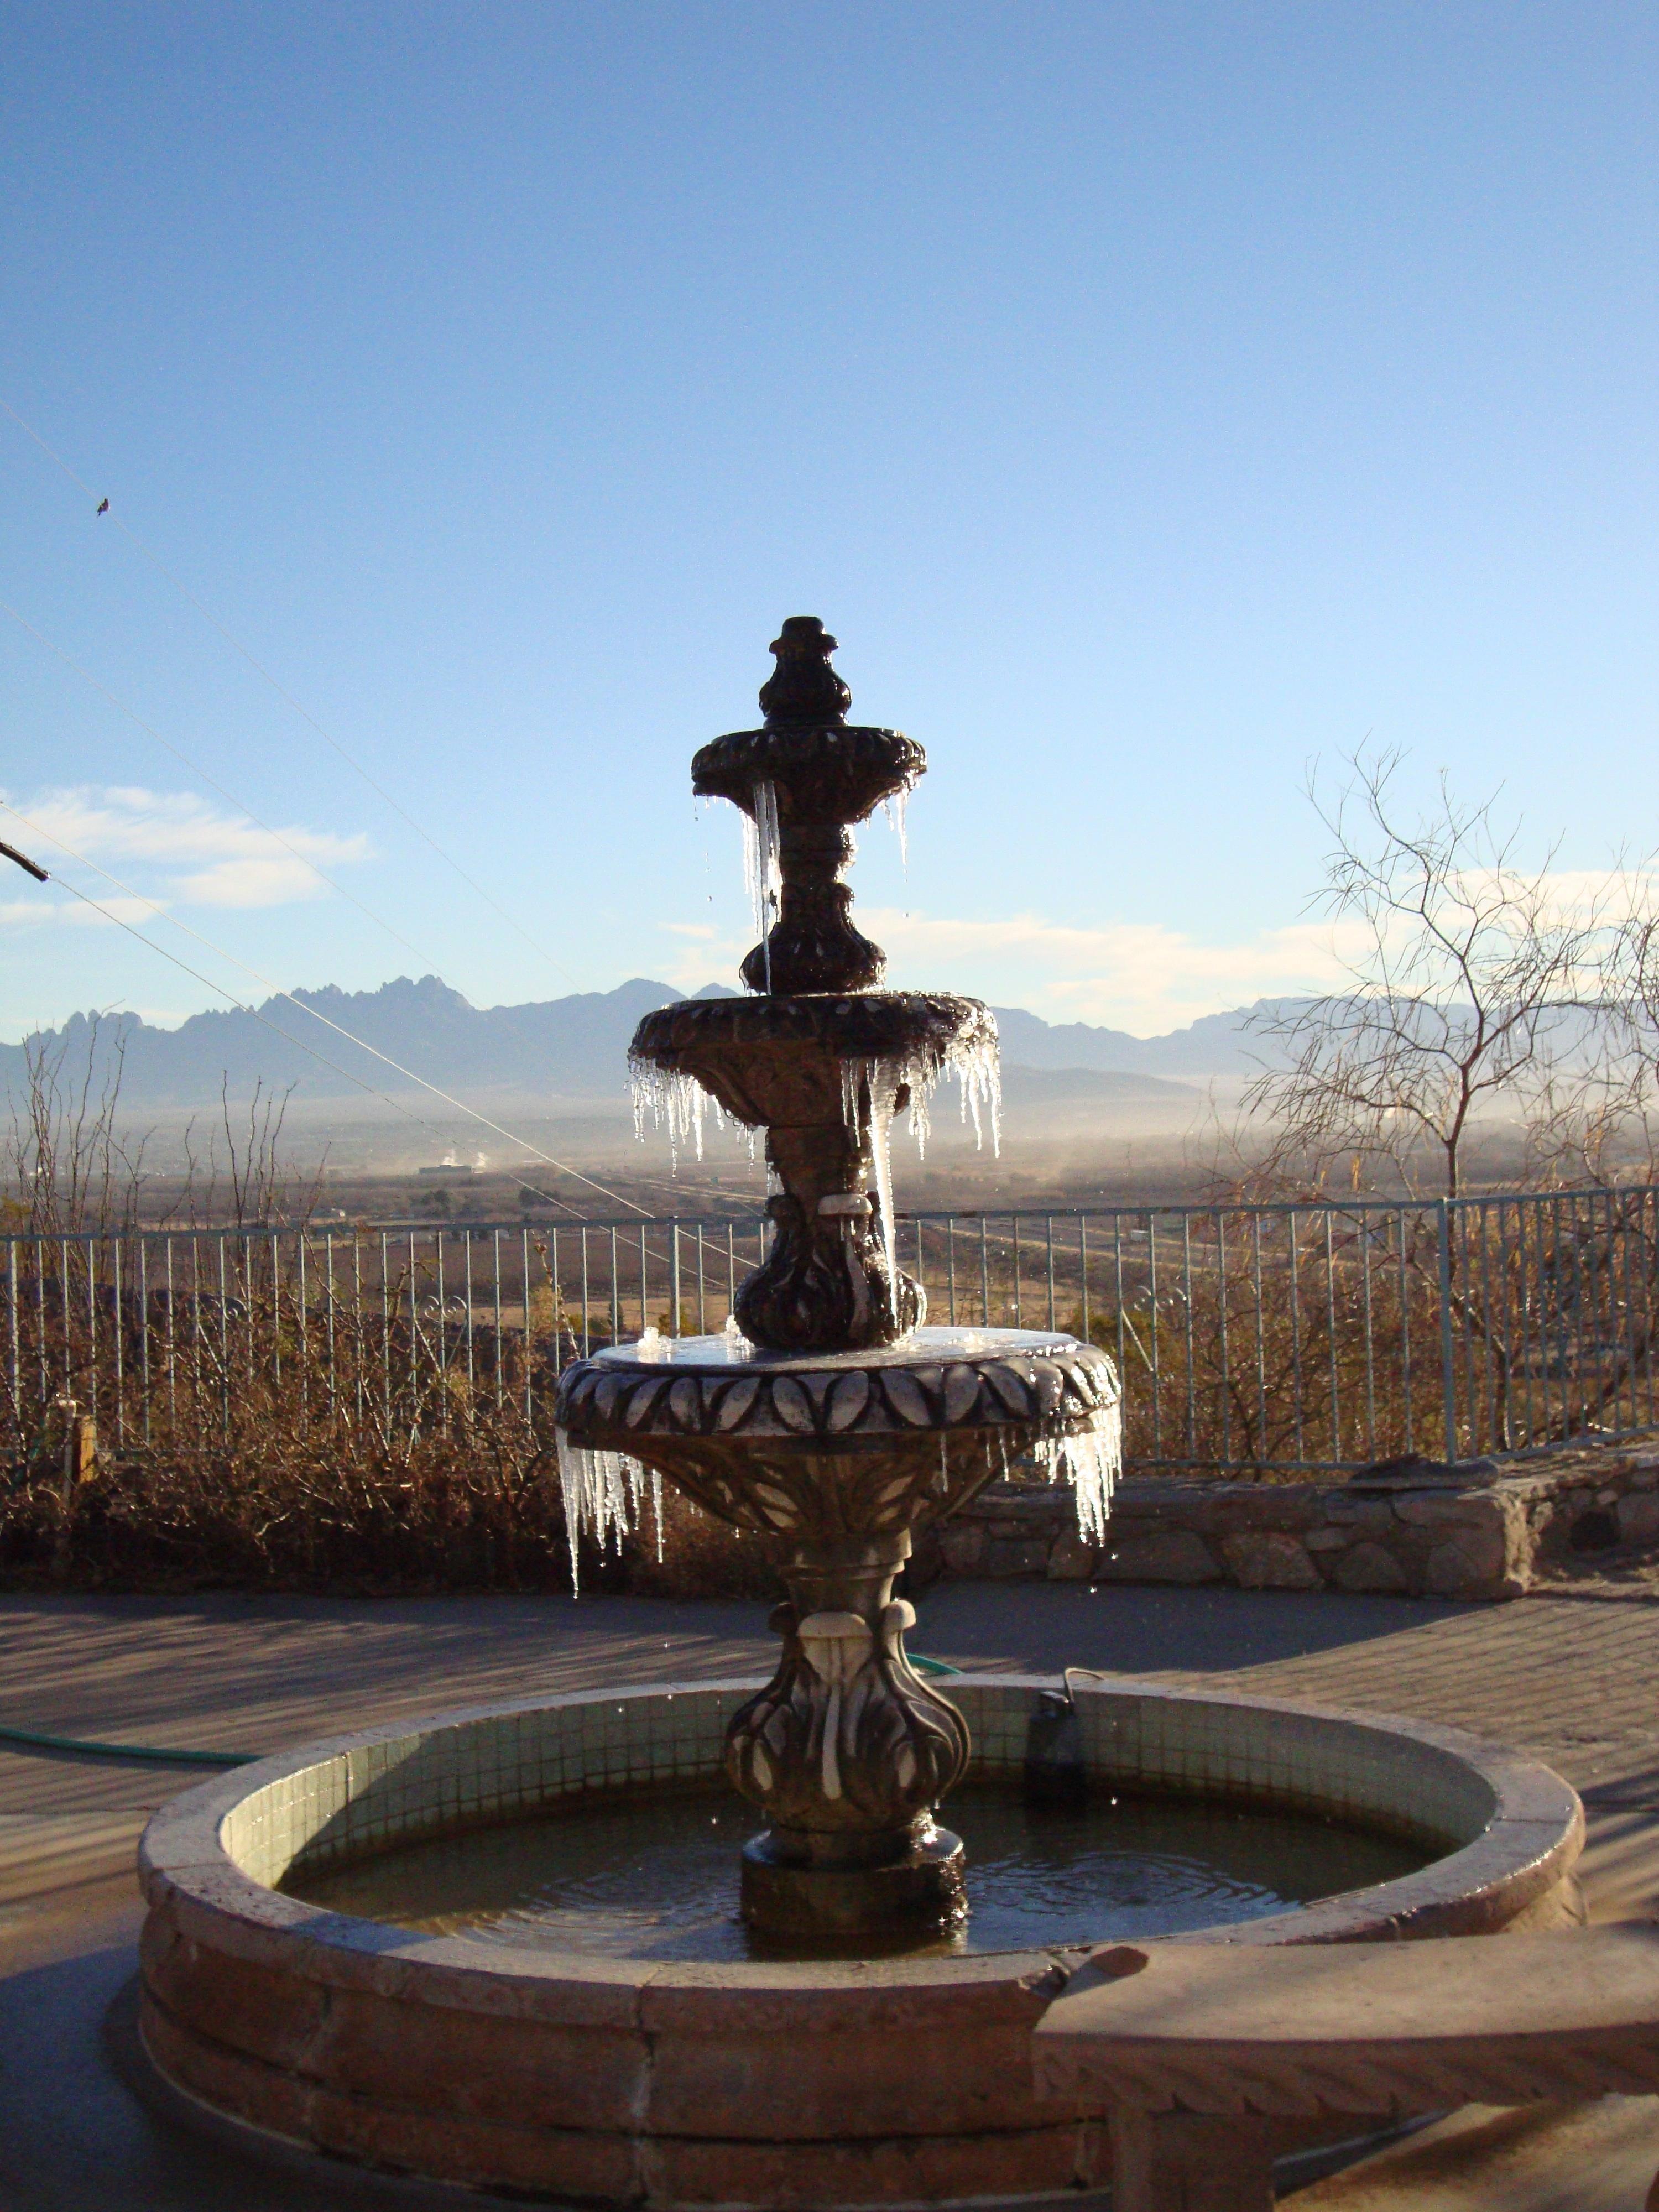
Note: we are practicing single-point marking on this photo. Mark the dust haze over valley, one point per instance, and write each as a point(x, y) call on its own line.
point(1088, 1113)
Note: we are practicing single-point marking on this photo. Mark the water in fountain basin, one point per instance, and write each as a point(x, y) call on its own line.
point(658, 1878)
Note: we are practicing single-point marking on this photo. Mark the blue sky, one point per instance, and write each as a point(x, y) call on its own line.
point(1153, 399)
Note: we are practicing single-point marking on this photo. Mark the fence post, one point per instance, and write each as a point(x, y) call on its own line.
point(1448, 1357)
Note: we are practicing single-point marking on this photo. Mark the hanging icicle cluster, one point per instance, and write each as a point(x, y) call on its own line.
point(763, 867)
point(604, 1493)
point(1090, 1460)
point(676, 1100)
point(973, 1061)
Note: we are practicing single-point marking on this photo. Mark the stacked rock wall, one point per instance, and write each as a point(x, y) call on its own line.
point(1480, 1532)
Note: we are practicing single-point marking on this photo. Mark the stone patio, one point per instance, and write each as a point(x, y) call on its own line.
point(1569, 1672)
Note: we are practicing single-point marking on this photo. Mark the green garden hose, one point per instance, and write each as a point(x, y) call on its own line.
point(93, 1747)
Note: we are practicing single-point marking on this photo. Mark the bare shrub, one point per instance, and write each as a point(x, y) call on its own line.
point(65, 1164)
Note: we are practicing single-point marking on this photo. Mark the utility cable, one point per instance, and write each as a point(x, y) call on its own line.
point(362, 1045)
point(29, 867)
point(178, 752)
point(132, 715)
point(311, 1051)
point(299, 1043)
point(213, 783)
point(103, 506)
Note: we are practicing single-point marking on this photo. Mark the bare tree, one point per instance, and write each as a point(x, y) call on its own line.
point(64, 1155)
point(1468, 979)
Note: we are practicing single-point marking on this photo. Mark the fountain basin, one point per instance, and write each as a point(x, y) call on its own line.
point(625, 2081)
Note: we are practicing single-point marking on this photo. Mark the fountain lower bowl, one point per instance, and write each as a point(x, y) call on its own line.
point(637, 2080)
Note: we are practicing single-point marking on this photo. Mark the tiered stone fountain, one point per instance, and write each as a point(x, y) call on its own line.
point(839, 1423)
point(330, 1960)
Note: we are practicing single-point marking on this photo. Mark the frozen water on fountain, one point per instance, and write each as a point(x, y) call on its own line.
point(604, 1491)
point(894, 808)
point(1092, 1460)
point(976, 1066)
point(674, 1100)
point(603, 1494)
point(763, 867)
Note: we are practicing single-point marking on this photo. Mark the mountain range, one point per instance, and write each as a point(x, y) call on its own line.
point(571, 1047)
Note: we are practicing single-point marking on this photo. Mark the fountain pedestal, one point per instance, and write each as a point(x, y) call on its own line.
point(848, 1751)
point(833, 1461)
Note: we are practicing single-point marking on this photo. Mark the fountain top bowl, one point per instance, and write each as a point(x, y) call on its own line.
point(923, 1347)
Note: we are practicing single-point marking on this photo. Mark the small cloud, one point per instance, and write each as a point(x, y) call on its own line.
point(226, 860)
point(707, 956)
point(1141, 976)
point(273, 880)
point(70, 913)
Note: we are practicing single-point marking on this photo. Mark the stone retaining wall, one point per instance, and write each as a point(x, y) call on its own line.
point(1479, 1531)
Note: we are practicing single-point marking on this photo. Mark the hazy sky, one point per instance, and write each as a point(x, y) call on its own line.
point(1153, 399)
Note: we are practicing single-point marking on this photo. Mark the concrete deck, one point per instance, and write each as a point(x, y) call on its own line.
point(1568, 1673)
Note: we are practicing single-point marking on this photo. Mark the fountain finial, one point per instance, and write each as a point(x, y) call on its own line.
point(804, 691)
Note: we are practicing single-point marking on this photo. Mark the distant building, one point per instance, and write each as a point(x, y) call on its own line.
point(447, 1170)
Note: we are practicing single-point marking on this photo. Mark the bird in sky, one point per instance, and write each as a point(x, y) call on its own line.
point(103, 506)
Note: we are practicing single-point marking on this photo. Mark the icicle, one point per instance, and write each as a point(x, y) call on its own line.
point(762, 871)
point(852, 1073)
point(673, 1098)
point(883, 1077)
point(977, 1067)
point(602, 1492)
point(894, 808)
point(1090, 1460)
point(974, 1062)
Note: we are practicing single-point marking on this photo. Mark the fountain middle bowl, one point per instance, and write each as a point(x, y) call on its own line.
point(636, 2080)
point(781, 1062)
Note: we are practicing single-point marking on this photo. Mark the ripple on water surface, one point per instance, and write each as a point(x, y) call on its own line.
point(658, 1879)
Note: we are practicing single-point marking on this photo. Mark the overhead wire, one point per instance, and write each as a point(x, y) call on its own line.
point(286, 696)
point(132, 715)
point(339, 1028)
point(276, 1028)
point(122, 707)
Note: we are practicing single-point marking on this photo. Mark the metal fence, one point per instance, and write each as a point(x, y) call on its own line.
point(1251, 1338)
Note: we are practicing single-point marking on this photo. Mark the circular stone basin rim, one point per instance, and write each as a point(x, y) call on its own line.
point(679, 2086)
point(1510, 1828)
